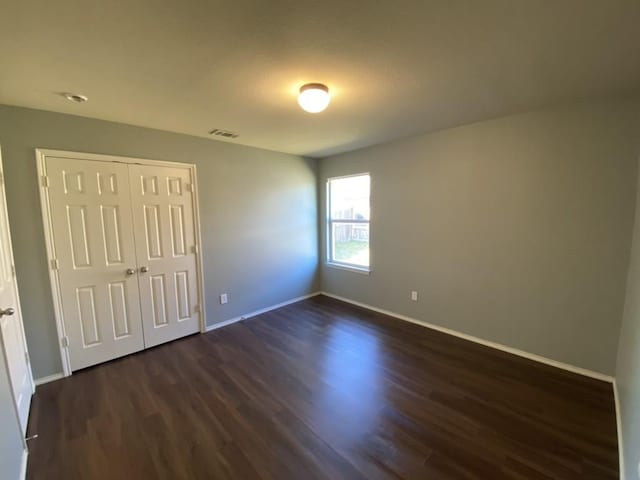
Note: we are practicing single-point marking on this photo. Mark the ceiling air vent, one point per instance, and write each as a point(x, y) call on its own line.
point(223, 133)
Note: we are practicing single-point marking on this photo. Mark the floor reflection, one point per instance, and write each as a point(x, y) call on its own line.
point(352, 393)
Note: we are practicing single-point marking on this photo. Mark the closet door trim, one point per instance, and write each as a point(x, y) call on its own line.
point(41, 156)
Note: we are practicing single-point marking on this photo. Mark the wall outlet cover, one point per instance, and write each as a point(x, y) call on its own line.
point(414, 296)
point(223, 299)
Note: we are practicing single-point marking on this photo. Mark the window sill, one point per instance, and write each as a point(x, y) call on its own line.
point(349, 268)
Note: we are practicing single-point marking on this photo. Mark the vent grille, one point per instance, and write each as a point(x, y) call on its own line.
point(223, 133)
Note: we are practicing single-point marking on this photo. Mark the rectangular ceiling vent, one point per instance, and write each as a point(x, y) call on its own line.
point(223, 133)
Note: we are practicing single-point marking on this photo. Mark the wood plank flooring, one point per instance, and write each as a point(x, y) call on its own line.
point(323, 390)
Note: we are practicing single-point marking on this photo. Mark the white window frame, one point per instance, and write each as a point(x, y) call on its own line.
point(329, 229)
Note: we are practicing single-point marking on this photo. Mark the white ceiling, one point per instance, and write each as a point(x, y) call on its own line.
point(395, 67)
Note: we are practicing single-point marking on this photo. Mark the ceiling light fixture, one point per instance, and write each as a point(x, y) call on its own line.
point(75, 97)
point(314, 97)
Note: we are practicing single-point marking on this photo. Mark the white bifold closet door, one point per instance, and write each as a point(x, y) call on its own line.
point(124, 246)
point(90, 205)
point(165, 249)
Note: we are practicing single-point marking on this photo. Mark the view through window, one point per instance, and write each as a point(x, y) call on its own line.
point(348, 223)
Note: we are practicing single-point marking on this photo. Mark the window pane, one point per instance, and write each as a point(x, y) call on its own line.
point(349, 198)
point(350, 243)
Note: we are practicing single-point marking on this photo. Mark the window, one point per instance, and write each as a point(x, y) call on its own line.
point(348, 221)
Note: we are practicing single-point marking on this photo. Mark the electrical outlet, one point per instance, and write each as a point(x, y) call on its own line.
point(638, 469)
point(223, 299)
point(414, 296)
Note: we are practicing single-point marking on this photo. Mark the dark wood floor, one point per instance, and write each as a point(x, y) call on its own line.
point(323, 390)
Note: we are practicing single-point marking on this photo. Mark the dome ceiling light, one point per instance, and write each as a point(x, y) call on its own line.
point(314, 97)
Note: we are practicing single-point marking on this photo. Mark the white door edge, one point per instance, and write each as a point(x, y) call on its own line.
point(17, 294)
point(22, 423)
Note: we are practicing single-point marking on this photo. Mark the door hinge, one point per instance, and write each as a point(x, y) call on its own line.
point(26, 357)
point(1, 179)
point(65, 342)
point(13, 270)
point(190, 187)
point(45, 181)
point(194, 249)
point(196, 308)
point(54, 264)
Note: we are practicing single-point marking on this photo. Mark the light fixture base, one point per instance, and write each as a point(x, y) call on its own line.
point(75, 97)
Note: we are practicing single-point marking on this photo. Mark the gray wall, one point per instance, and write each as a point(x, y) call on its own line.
point(258, 215)
point(515, 230)
point(628, 367)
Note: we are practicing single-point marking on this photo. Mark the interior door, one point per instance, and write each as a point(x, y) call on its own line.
point(93, 236)
point(12, 335)
point(165, 243)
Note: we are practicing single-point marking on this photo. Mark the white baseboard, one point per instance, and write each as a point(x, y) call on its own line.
point(48, 378)
point(259, 312)
point(23, 466)
point(486, 343)
point(616, 396)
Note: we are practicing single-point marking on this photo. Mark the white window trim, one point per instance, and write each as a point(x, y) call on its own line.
point(349, 267)
point(329, 262)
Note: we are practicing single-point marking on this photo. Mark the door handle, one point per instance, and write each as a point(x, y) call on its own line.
point(144, 269)
point(7, 311)
point(130, 271)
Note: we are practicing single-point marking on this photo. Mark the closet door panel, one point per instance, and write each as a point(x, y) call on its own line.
point(165, 241)
point(94, 244)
